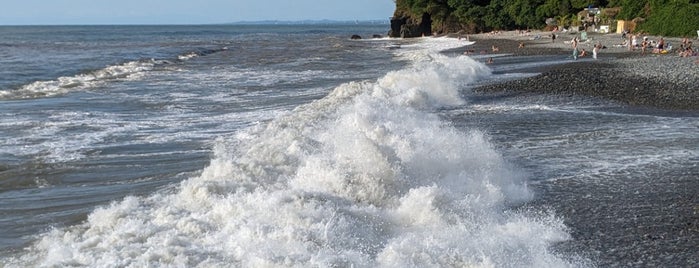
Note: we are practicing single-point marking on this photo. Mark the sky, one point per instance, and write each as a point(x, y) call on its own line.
point(84, 12)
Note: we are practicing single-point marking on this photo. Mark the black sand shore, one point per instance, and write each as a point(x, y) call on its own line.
point(652, 80)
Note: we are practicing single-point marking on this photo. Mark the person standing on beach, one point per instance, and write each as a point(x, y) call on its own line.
point(630, 43)
point(574, 43)
point(595, 50)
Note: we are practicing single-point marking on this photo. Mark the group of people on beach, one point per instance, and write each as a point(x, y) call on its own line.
point(686, 49)
point(595, 49)
point(657, 47)
point(660, 46)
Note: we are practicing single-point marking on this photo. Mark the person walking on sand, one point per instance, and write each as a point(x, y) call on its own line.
point(574, 43)
point(595, 50)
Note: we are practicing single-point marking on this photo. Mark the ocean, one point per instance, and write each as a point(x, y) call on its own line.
point(295, 146)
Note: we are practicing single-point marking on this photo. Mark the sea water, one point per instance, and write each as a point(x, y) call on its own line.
point(294, 146)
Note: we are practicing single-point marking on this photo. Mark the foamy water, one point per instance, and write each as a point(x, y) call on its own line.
point(368, 176)
point(237, 149)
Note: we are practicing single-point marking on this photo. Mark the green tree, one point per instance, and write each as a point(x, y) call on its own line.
point(630, 9)
point(672, 18)
point(548, 9)
point(581, 4)
point(523, 13)
point(669, 17)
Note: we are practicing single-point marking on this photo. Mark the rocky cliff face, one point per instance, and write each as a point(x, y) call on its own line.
point(406, 26)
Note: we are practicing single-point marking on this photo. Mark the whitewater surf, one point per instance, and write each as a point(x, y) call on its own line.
point(368, 176)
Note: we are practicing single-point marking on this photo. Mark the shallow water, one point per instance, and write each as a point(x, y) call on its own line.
point(624, 178)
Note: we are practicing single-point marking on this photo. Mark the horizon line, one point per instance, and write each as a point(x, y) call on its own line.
point(242, 22)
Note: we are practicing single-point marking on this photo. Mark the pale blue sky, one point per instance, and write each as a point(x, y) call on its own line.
point(51, 12)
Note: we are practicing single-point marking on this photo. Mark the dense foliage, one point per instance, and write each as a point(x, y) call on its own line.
point(674, 18)
point(667, 17)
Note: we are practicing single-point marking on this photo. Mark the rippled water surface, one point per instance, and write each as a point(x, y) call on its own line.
point(292, 145)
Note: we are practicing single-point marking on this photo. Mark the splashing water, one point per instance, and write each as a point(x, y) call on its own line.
point(365, 177)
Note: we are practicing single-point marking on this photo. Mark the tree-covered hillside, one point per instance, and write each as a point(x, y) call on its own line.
point(662, 17)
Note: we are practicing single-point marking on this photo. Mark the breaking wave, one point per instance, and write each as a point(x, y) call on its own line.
point(91, 79)
point(368, 176)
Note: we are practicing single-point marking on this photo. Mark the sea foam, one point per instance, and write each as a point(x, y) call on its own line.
point(81, 81)
point(88, 80)
point(368, 176)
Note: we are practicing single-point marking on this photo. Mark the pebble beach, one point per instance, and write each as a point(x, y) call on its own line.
point(643, 216)
point(665, 81)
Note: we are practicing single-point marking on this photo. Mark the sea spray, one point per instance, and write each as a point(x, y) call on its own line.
point(368, 176)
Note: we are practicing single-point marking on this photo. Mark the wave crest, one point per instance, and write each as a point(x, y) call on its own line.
point(367, 176)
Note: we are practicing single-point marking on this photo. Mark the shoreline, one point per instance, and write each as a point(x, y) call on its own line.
point(664, 81)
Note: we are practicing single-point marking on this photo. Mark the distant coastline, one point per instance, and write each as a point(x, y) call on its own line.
point(309, 22)
point(256, 22)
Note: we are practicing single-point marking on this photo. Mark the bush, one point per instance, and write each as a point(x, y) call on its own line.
point(672, 19)
point(661, 17)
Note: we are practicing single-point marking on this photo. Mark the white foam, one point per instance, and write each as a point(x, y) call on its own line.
point(427, 46)
point(365, 177)
point(48, 141)
point(437, 44)
point(82, 81)
point(188, 56)
point(433, 78)
point(260, 77)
